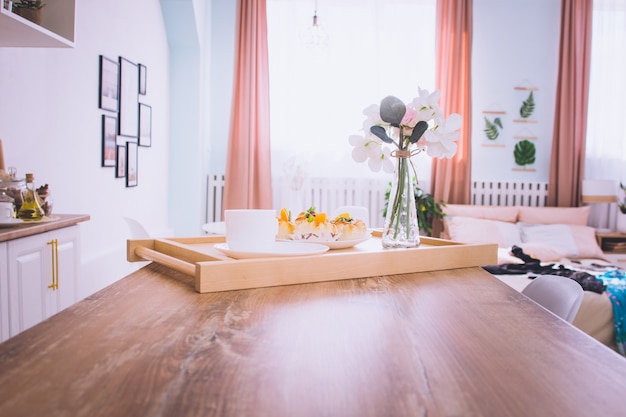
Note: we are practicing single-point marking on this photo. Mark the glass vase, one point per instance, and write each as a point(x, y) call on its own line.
point(401, 228)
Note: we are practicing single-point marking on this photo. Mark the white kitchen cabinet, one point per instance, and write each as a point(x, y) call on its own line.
point(56, 30)
point(42, 276)
point(4, 296)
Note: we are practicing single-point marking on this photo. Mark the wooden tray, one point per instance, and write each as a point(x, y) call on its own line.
point(213, 271)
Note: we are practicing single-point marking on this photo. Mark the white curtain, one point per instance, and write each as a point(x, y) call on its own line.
point(605, 158)
point(606, 120)
point(375, 48)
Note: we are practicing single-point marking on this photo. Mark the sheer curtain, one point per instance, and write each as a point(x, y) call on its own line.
point(317, 94)
point(606, 119)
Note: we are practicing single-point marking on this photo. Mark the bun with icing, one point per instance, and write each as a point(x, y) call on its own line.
point(314, 227)
point(350, 228)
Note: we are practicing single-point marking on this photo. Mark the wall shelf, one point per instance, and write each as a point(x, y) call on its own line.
point(56, 30)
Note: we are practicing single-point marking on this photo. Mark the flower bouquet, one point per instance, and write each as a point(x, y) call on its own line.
point(393, 133)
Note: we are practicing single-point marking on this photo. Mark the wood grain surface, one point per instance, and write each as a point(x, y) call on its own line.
point(445, 343)
point(29, 228)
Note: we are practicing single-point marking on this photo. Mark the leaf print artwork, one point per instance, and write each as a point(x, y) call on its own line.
point(524, 153)
point(491, 128)
point(528, 106)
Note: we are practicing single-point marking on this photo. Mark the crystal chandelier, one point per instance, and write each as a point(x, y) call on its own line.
point(315, 36)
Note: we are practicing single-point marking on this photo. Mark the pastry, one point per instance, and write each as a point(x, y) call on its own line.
point(350, 228)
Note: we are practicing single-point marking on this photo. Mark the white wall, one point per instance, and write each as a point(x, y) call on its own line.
point(50, 125)
point(514, 43)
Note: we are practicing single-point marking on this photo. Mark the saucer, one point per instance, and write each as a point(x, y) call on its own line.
point(10, 222)
point(278, 249)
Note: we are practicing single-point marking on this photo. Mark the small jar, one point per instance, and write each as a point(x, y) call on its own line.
point(4, 198)
point(13, 188)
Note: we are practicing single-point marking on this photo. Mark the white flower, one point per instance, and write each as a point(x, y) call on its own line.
point(440, 142)
point(373, 117)
point(423, 127)
point(373, 151)
point(383, 160)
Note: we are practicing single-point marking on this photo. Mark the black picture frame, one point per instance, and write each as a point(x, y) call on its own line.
point(109, 84)
point(120, 161)
point(145, 125)
point(129, 99)
point(131, 164)
point(109, 140)
point(143, 79)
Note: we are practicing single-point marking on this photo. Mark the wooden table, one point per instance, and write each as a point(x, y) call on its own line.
point(54, 222)
point(445, 343)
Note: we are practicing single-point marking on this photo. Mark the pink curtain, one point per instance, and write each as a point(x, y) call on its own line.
point(248, 179)
point(451, 177)
point(570, 123)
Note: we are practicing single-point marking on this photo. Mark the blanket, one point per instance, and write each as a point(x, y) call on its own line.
point(532, 265)
point(616, 289)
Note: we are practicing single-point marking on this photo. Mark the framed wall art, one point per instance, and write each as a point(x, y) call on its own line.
point(120, 161)
point(109, 140)
point(131, 164)
point(129, 109)
point(145, 125)
point(143, 79)
point(109, 84)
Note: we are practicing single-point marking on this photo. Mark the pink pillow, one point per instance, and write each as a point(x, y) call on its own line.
point(554, 215)
point(473, 230)
point(500, 213)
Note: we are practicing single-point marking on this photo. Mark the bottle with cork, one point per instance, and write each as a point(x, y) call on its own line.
point(30, 209)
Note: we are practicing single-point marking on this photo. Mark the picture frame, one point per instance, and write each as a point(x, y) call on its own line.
point(131, 164)
point(109, 84)
point(145, 125)
point(143, 79)
point(109, 140)
point(129, 99)
point(120, 161)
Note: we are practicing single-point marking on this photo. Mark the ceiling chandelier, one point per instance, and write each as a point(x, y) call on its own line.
point(315, 36)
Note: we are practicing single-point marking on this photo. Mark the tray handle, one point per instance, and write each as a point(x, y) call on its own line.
point(166, 260)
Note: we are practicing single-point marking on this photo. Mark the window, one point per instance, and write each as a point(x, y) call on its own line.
point(375, 48)
point(606, 117)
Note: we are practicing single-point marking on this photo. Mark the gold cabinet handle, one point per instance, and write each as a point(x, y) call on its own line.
point(54, 247)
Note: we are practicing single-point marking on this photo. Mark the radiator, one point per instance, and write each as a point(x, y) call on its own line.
point(215, 196)
point(500, 193)
point(325, 194)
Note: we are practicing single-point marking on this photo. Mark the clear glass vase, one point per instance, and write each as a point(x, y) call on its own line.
point(401, 228)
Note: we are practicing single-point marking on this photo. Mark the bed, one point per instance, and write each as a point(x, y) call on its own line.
point(558, 238)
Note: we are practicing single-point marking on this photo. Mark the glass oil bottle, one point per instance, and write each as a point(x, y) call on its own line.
point(30, 209)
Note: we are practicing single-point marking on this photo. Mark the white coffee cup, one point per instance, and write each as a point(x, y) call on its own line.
point(250, 230)
point(6, 210)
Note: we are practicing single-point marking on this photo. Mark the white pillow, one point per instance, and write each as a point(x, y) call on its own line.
point(551, 242)
point(474, 230)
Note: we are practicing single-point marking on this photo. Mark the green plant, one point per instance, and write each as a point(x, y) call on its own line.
point(622, 205)
point(427, 209)
point(528, 106)
point(524, 153)
point(491, 129)
point(28, 4)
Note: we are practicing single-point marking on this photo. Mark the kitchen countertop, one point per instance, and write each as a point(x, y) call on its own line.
point(56, 221)
point(443, 343)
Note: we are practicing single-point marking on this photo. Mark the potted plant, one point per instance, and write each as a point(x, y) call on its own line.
point(621, 214)
point(428, 210)
point(29, 9)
